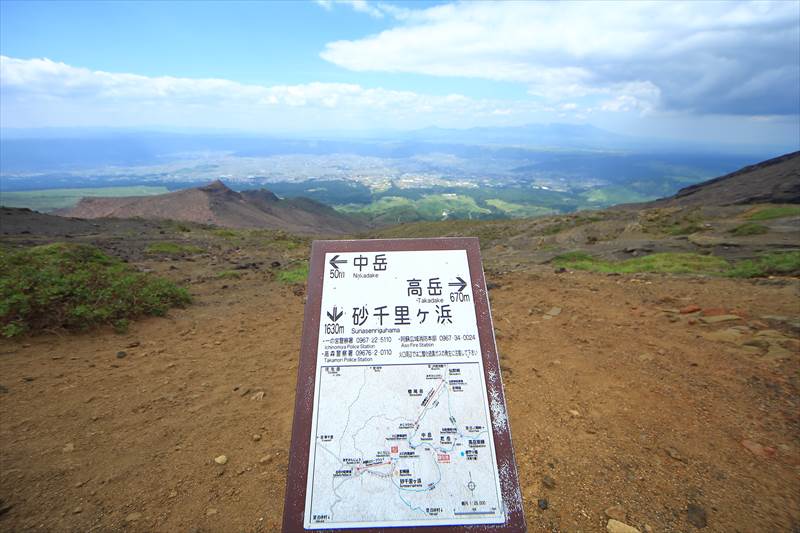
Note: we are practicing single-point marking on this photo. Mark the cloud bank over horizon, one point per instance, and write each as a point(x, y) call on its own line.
point(698, 57)
point(722, 70)
point(28, 83)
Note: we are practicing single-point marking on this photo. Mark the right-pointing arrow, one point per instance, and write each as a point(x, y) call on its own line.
point(461, 284)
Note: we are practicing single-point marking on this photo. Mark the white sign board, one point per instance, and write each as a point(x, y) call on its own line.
point(401, 430)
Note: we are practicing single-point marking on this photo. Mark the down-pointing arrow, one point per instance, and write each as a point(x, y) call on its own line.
point(336, 314)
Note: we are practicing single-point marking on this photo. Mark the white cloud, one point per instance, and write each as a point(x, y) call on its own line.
point(46, 88)
point(707, 57)
point(375, 10)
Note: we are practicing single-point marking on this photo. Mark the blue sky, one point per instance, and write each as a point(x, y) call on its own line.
point(720, 71)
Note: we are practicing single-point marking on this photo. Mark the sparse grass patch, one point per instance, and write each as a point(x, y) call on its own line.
point(683, 229)
point(183, 228)
point(225, 233)
point(751, 228)
point(280, 239)
point(173, 248)
point(668, 263)
point(297, 274)
point(229, 274)
point(778, 211)
point(774, 263)
point(554, 229)
point(76, 287)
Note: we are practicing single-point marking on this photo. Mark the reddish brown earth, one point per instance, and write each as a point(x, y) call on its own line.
point(619, 398)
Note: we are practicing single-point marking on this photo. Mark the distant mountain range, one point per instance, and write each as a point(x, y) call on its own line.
point(26, 151)
point(218, 205)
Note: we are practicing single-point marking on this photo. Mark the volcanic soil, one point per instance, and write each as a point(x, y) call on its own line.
point(621, 406)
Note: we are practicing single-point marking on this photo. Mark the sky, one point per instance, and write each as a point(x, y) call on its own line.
point(705, 71)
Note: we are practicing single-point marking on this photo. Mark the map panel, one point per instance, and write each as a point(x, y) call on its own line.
point(405, 443)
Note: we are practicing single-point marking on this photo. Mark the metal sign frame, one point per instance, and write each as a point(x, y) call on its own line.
point(297, 477)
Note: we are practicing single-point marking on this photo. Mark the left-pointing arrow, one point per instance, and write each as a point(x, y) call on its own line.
point(335, 261)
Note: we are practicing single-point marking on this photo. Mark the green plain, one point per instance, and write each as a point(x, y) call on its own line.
point(50, 199)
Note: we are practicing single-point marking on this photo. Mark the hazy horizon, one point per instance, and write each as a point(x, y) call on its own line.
point(712, 72)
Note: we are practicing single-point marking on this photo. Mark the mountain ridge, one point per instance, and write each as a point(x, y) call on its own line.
point(217, 204)
point(775, 180)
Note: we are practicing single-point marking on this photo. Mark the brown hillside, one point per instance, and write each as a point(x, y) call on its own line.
point(219, 205)
point(775, 180)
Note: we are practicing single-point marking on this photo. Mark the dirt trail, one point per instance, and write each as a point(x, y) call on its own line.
point(614, 396)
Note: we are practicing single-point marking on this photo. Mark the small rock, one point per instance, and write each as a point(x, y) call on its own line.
point(275, 264)
point(690, 309)
point(211, 512)
point(5, 507)
point(265, 460)
point(133, 517)
point(729, 335)
point(717, 319)
point(672, 452)
point(574, 414)
point(121, 354)
point(3, 389)
point(68, 447)
point(133, 344)
point(256, 437)
point(543, 505)
point(549, 482)
point(615, 526)
point(560, 270)
point(757, 343)
point(616, 512)
point(554, 311)
point(28, 379)
point(221, 460)
point(648, 528)
point(258, 396)
point(77, 510)
point(696, 516)
point(758, 450)
point(778, 353)
point(173, 493)
point(770, 334)
point(491, 285)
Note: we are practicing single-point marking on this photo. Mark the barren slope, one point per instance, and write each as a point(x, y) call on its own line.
point(217, 204)
point(614, 395)
point(775, 180)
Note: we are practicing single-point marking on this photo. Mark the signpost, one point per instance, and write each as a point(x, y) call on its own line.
point(400, 419)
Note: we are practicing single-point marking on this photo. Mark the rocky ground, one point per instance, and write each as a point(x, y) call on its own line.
point(667, 403)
